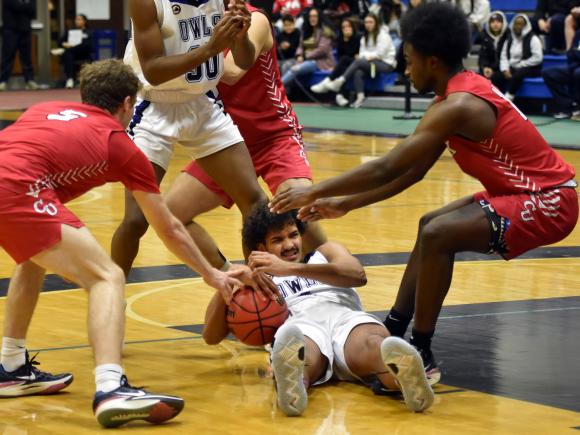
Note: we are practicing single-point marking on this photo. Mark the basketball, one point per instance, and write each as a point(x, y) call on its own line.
point(252, 320)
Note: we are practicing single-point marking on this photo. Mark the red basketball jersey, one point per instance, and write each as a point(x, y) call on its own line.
point(516, 158)
point(258, 103)
point(70, 148)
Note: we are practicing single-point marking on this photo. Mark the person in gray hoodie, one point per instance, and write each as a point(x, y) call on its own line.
point(493, 39)
point(521, 56)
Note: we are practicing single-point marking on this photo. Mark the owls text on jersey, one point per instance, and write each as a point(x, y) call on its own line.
point(296, 288)
point(185, 25)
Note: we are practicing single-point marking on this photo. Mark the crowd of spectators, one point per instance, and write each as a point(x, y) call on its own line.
point(354, 40)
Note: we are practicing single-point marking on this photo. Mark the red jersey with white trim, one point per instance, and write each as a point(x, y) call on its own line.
point(258, 103)
point(70, 148)
point(516, 158)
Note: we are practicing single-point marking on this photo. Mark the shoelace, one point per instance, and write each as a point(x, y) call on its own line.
point(125, 384)
point(31, 362)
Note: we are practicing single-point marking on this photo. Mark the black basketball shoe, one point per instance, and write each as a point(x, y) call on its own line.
point(28, 380)
point(127, 403)
point(432, 371)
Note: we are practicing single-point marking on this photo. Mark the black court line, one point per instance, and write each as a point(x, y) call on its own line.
point(526, 350)
point(181, 271)
point(577, 428)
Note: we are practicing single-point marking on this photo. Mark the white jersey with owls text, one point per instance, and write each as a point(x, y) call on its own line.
point(185, 25)
point(296, 288)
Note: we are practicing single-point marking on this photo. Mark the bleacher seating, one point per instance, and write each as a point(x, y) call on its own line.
point(379, 84)
point(535, 87)
point(513, 5)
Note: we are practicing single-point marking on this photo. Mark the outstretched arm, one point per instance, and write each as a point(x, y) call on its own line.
point(330, 208)
point(177, 239)
point(440, 122)
point(156, 65)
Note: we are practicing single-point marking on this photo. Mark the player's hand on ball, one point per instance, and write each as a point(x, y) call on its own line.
point(291, 198)
point(268, 287)
point(223, 282)
point(324, 208)
point(263, 285)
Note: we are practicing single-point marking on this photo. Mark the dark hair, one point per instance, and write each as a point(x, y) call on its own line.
point(389, 8)
point(307, 29)
point(438, 29)
point(107, 83)
point(352, 26)
point(261, 221)
point(375, 33)
point(288, 17)
point(84, 18)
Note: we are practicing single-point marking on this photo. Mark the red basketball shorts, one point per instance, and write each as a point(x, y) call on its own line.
point(277, 162)
point(535, 220)
point(30, 225)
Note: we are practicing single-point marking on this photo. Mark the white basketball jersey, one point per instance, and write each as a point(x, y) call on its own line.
point(185, 25)
point(296, 288)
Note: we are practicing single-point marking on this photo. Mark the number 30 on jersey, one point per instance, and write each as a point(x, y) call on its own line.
point(210, 69)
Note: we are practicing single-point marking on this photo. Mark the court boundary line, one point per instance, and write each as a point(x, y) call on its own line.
point(147, 274)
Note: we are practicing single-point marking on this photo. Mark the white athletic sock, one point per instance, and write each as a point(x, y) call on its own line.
point(13, 353)
point(226, 266)
point(108, 377)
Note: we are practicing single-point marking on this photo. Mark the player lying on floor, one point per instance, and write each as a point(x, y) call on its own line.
point(328, 334)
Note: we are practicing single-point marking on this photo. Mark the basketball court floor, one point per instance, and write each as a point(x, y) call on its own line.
point(507, 338)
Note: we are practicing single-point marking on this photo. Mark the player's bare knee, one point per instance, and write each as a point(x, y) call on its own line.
point(135, 224)
point(111, 274)
point(372, 344)
point(425, 219)
point(435, 233)
point(250, 200)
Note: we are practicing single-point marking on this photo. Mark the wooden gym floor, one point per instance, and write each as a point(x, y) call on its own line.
point(507, 338)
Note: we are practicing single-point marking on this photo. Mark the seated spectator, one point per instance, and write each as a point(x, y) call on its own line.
point(391, 12)
point(293, 8)
point(549, 19)
point(571, 24)
point(377, 55)
point(493, 38)
point(288, 41)
point(314, 51)
point(521, 56)
point(76, 49)
point(564, 83)
point(347, 47)
point(477, 12)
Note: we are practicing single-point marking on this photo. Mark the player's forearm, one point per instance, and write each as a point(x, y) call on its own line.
point(361, 179)
point(179, 242)
point(164, 68)
point(215, 327)
point(244, 52)
point(381, 193)
point(337, 274)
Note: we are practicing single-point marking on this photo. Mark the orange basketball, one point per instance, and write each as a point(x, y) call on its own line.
point(252, 320)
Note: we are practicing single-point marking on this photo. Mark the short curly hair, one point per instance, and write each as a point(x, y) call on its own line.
point(261, 221)
point(438, 29)
point(107, 83)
